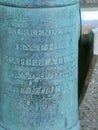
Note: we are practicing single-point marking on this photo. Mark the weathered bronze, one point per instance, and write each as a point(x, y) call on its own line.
point(39, 64)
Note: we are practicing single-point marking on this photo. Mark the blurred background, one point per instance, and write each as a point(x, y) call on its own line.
point(88, 65)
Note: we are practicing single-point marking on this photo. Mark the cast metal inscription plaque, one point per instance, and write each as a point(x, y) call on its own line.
point(39, 55)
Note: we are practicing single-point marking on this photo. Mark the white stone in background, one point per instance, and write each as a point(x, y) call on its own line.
point(95, 31)
point(89, 20)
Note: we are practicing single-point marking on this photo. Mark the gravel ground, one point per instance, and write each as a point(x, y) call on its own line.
point(89, 1)
point(88, 109)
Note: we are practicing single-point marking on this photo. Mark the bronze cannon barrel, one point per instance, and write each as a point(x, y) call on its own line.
point(39, 64)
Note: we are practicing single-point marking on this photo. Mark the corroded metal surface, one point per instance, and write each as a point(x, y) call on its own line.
point(39, 48)
point(38, 3)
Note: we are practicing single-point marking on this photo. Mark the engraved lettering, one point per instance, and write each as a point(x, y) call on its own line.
point(43, 33)
point(37, 62)
point(41, 47)
point(36, 76)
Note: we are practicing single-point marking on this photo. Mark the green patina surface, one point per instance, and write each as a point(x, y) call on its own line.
point(39, 65)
